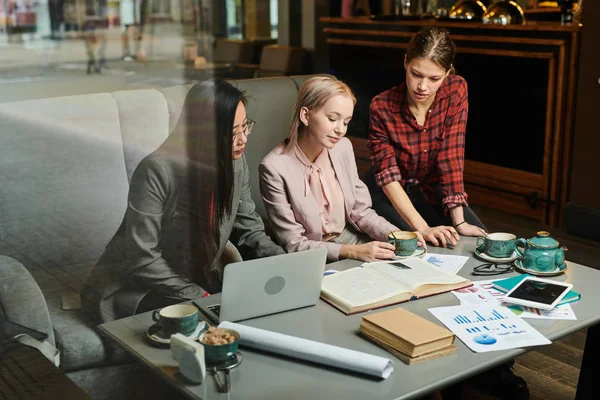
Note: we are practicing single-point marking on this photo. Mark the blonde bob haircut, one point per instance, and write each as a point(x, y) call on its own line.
point(313, 94)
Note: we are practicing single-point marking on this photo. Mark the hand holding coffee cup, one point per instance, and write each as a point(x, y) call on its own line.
point(498, 245)
point(404, 242)
point(178, 318)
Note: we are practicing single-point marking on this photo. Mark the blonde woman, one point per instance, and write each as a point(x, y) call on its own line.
point(310, 185)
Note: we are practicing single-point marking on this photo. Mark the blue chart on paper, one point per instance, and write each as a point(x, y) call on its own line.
point(435, 261)
point(486, 326)
point(484, 339)
point(463, 319)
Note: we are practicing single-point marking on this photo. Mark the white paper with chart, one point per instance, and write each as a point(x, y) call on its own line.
point(448, 262)
point(483, 292)
point(487, 327)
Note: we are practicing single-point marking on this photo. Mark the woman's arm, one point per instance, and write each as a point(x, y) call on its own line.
point(248, 228)
point(451, 155)
point(451, 159)
point(405, 208)
point(462, 226)
point(148, 192)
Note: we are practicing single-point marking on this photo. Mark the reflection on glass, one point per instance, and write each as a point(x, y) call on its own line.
point(405, 7)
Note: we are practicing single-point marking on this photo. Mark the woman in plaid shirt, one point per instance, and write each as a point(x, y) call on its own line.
point(417, 142)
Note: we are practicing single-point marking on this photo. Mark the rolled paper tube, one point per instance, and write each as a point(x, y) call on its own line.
point(312, 351)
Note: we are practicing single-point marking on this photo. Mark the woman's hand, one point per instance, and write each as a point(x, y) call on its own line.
point(467, 229)
point(421, 239)
point(441, 235)
point(372, 251)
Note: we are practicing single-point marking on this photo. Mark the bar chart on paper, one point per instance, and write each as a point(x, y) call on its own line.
point(487, 327)
point(463, 319)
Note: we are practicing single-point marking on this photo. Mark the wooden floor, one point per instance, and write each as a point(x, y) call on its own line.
point(551, 371)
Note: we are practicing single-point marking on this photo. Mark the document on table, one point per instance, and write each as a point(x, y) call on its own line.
point(447, 262)
point(488, 327)
point(564, 311)
point(483, 292)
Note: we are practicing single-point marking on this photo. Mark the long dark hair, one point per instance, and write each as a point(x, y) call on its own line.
point(205, 133)
point(433, 43)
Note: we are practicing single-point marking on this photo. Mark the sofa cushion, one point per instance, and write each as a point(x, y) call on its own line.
point(270, 104)
point(80, 343)
point(64, 180)
point(300, 79)
point(175, 96)
point(21, 300)
point(144, 124)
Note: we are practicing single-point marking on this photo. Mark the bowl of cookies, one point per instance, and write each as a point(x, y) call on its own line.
point(219, 344)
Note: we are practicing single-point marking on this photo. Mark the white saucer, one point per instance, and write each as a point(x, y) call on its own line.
point(419, 252)
point(157, 336)
point(489, 258)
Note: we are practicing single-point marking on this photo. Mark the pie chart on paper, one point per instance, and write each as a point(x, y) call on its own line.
point(484, 339)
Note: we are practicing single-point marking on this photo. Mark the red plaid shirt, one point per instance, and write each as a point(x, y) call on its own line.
point(404, 151)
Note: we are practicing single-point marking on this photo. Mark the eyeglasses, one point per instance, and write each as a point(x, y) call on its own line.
point(246, 129)
point(491, 269)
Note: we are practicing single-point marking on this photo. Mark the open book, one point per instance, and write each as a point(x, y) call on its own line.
point(381, 284)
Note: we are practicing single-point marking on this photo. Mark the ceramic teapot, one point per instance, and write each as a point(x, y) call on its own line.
point(540, 253)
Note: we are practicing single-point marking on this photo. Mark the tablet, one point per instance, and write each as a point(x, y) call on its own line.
point(538, 293)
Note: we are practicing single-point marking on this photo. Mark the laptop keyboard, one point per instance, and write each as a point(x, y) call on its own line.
point(215, 309)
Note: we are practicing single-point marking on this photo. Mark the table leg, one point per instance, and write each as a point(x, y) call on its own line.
point(588, 376)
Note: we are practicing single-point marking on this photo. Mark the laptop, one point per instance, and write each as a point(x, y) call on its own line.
point(267, 286)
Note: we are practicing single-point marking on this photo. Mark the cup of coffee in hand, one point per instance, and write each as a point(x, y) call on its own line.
point(405, 242)
point(498, 245)
point(178, 318)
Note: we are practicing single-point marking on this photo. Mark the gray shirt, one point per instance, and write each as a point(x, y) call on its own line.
point(150, 250)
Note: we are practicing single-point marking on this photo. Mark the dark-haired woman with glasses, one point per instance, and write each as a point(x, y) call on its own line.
point(188, 202)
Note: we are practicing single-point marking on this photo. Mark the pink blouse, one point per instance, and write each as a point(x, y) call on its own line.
point(321, 183)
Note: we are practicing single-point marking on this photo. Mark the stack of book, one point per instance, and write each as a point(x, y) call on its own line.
point(407, 336)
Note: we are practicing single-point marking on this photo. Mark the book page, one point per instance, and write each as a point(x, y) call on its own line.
point(411, 273)
point(357, 287)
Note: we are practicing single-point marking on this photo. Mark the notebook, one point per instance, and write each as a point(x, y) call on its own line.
point(380, 284)
point(505, 285)
point(406, 332)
